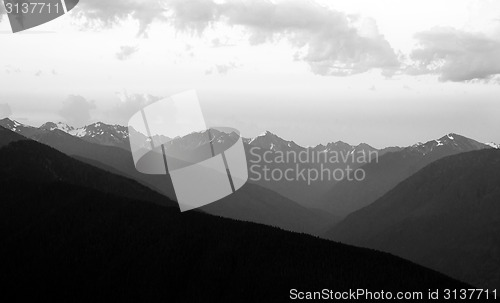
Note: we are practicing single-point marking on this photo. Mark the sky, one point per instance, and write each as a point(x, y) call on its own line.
point(386, 72)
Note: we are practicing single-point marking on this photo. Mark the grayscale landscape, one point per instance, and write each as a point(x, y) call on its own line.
point(369, 130)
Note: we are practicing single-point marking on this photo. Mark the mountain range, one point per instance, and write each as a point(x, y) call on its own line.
point(446, 217)
point(100, 133)
point(116, 136)
point(393, 164)
point(251, 203)
point(71, 231)
point(417, 202)
point(392, 168)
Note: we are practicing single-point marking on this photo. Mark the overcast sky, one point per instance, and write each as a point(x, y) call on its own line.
point(386, 72)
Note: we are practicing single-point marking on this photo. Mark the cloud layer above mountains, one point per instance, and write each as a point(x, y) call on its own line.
point(5, 111)
point(76, 110)
point(456, 55)
point(331, 42)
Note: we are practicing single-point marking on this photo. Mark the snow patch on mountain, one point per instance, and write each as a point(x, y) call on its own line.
point(493, 145)
point(50, 126)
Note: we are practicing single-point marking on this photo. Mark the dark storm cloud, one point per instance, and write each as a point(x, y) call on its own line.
point(456, 55)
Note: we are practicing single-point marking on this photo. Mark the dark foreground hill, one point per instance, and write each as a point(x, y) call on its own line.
point(257, 204)
point(7, 136)
point(446, 217)
point(63, 237)
point(251, 203)
point(32, 161)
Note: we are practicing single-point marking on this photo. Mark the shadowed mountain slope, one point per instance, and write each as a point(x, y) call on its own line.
point(34, 162)
point(446, 217)
point(347, 196)
point(7, 136)
point(251, 203)
point(78, 244)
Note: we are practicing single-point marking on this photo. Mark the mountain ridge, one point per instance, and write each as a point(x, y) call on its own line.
point(390, 169)
point(258, 206)
point(63, 237)
point(121, 134)
point(446, 217)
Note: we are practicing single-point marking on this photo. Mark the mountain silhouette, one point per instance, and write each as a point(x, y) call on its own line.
point(26, 160)
point(70, 231)
point(346, 197)
point(258, 204)
point(104, 134)
point(111, 158)
point(7, 136)
point(251, 203)
point(271, 146)
point(446, 217)
point(19, 128)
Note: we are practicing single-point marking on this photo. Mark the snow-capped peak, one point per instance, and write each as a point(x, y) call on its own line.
point(265, 134)
point(79, 132)
point(450, 141)
point(493, 145)
point(268, 140)
point(101, 129)
point(59, 125)
point(14, 126)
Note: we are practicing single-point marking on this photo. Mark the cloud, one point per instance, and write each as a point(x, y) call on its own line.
point(125, 52)
point(9, 69)
point(193, 14)
point(76, 110)
point(129, 104)
point(109, 13)
point(331, 42)
point(5, 111)
point(456, 55)
point(222, 69)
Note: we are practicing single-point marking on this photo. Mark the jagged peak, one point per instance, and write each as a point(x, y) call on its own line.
point(451, 136)
point(267, 134)
point(57, 125)
point(365, 146)
point(493, 145)
point(98, 125)
point(9, 121)
point(12, 124)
